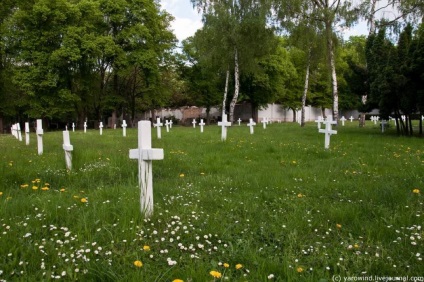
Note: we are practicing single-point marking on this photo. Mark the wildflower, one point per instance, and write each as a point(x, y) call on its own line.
point(356, 246)
point(238, 266)
point(62, 190)
point(34, 187)
point(293, 162)
point(299, 269)
point(300, 195)
point(226, 265)
point(182, 175)
point(138, 263)
point(84, 200)
point(1, 193)
point(215, 274)
point(271, 276)
point(416, 191)
point(177, 280)
point(146, 248)
point(338, 225)
point(45, 188)
point(202, 173)
point(24, 185)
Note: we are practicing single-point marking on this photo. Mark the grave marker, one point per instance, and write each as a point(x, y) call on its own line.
point(18, 129)
point(194, 123)
point(343, 119)
point(124, 128)
point(14, 131)
point(158, 125)
point(145, 155)
point(167, 125)
point(101, 128)
point(251, 124)
point(224, 124)
point(73, 127)
point(68, 148)
point(40, 132)
point(170, 124)
point(319, 120)
point(328, 131)
point(264, 122)
point(351, 118)
point(27, 133)
point(85, 127)
point(201, 125)
point(239, 121)
point(383, 125)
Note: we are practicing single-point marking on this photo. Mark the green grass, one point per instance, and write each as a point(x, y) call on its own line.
point(275, 202)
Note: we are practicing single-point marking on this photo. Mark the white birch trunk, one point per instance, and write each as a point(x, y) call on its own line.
point(305, 89)
point(332, 63)
point(225, 92)
point(236, 85)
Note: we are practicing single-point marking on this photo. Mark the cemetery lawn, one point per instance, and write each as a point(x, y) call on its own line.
point(272, 206)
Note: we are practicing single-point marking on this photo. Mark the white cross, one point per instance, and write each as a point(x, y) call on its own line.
point(18, 128)
point(114, 126)
point(319, 120)
point(383, 125)
point(68, 148)
point(85, 127)
point(343, 119)
point(101, 128)
point(251, 124)
point(66, 127)
point(13, 130)
point(239, 120)
point(158, 125)
point(167, 125)
point(201, 125)
point(224, 124)
point(170, 124)
point(124, 128)
point(194, 123)
point(351, 118)
point(328, 131)
point(145, 154)
point(40, 136)
point(73, 127)
point(264, 122)
point(27, 133)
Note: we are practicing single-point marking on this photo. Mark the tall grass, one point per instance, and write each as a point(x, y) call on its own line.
point(275, 203)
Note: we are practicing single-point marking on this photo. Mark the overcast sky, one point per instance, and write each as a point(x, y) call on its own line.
point(187, 20)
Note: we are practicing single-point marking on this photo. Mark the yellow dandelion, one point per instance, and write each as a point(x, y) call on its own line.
point(34, 187)
point(177, 280)
point(356, 246)
point(45, 188)
point(416, 191)
point(84, 200)
point(38, 180)
point(1, 193)
point(300, 195)
point(76, 197)
point(299, 269)
point(294, 162)
point(46, 184)
point(239, 266)
point(338, 225)
point(202, 173)
point(24, 186)
point(182, 175)
point(62, 190)
point(146, 248)
point(11, 164)
point(138, 263)
point(226, 265)
point(215, 274)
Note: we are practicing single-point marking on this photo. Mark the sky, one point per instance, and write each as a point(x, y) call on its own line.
point(187, 20)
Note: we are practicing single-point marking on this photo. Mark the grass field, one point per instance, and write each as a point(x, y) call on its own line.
point(272, 206)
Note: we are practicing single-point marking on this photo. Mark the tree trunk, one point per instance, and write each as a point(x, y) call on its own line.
point(224, 102)
point(332, 64)
point(305, 89)
point(236, 86)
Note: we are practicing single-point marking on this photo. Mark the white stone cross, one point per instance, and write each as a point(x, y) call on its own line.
point(328, 131)
point(251, 124)
point(383, 125)
point(170, 124)
point(239, 121)
point(224, 124)
point(14, 132)
point(264, 122)
point(319, 120)
point(124, 128)
point(158, 125)
point(73, 127)
point(145, 155)
point(40, 136)
point(201, 125)
point(343, 119)
point(85, 127)
point(18, 128)
point(194, 123)
point(68, 148)
point(351, 118)
point(27, 133)
point(167, 125)
point(114, 126)
point(101, 128)
point(66, 127)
